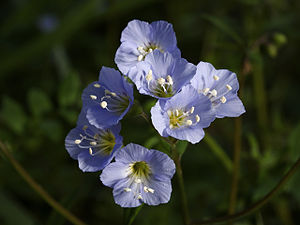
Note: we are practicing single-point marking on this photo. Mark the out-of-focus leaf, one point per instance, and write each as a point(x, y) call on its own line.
point(38, 102)
point(69, 90)
point(69, 115)
point(181, 146)
point(12, 213)
point(13, 115)
point(294, 143)
point(220, 24)
point(150, 142)
point(52, 129)
point(254, 147)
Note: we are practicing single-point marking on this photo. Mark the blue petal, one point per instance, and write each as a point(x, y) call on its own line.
point(158, 119)
point(131, 153)
point(111, 79)
point(126, 57)
point(113, 173)
point(70, 145)
point(191, 134)
point(100, 117)
point(88, 163)
point(137, 32)
point(231, 108)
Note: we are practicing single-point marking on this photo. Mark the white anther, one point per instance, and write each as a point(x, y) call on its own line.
point(149, 76)
point(214, 92)
point(146, 189)
point(139, 196)
point(84, 127)
point(161, 81)
point(176, 113)
point(197, 118)
point(216, 77)
point(113, 94)
point(170, 80)
point(77, 141)
point(138, 181)
point(171, 126)
point(228, 87)
point(94, 143)
point(97, 85)
point(127, 189)
point(94, 97)
point(150, 50)
point(140, 49)
point(90, 151)
point(151, 190)
point(205, 91)
point(140, 58)
point(189, 122)
point(103, 104)
point(192, 110)
point(169, 113)
point(223, 99)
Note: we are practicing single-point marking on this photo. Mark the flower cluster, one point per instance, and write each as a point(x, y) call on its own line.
point(188, 97)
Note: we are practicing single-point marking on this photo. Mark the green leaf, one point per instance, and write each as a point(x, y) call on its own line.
point(38, 102)
point(52, 129)
point(294, 143)
point(13, 115)
point(69, 90)
point(150, 142)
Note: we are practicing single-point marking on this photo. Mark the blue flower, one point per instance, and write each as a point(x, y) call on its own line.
point(161, 75)
point(139, 176)
point(221, 87)
point(108, 100)
point(183, 116)
point(93, 148)
point(140, 38)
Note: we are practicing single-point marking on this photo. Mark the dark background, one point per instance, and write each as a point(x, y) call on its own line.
point(51, 50)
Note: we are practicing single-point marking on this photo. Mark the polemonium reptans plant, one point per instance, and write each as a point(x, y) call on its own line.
point(188, 99)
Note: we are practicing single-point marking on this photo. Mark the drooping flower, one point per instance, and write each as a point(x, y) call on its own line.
point(94, 148)
point(221, 87)
point(108, 100)
point(161, 75)
point(183, 116)
point(139, 176)
point(140, 38)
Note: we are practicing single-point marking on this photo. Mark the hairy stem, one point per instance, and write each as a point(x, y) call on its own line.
point(256, 205)
point(37, 188)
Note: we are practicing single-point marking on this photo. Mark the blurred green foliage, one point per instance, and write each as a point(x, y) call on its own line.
point(43, 72)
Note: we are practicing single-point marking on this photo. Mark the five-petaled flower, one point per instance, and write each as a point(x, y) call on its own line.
point(108, 100)
point(140, 38)
point(94, 148)
point(139, 176)
point(183, 116)
point(161, 75)
point(221, 87)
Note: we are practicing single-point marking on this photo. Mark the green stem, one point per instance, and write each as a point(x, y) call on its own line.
point(256, 205)
point(184, 204)
point(37, 188)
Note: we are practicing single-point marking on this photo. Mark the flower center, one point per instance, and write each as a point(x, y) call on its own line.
point(180, 118)
point(145, 50)
point(100, 143)
point(140, 169)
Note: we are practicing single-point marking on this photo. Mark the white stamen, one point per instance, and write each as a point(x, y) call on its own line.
point(139, 196)
point(216, 77)
point(138, 181)
point(151, 190)
point(214, 92)
point(140, 49)
point(77, 141)
point(94, 143)
point(176, 113)
point(94, 97)
point(149, 76)
point(140, 58)
point(228, 87)
point(192, 109)
point(150, 50)
point(103, 104)
point(197, 118)
point(169, 113)
point(205, 91)
point(90, 151)
point(171, 126)
point(127, 189)
point(161, 81)
point(223, 99)
point(189, 122)
point(113, 94)
point(146, 189)
point(97, 85)
point(170, 80)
